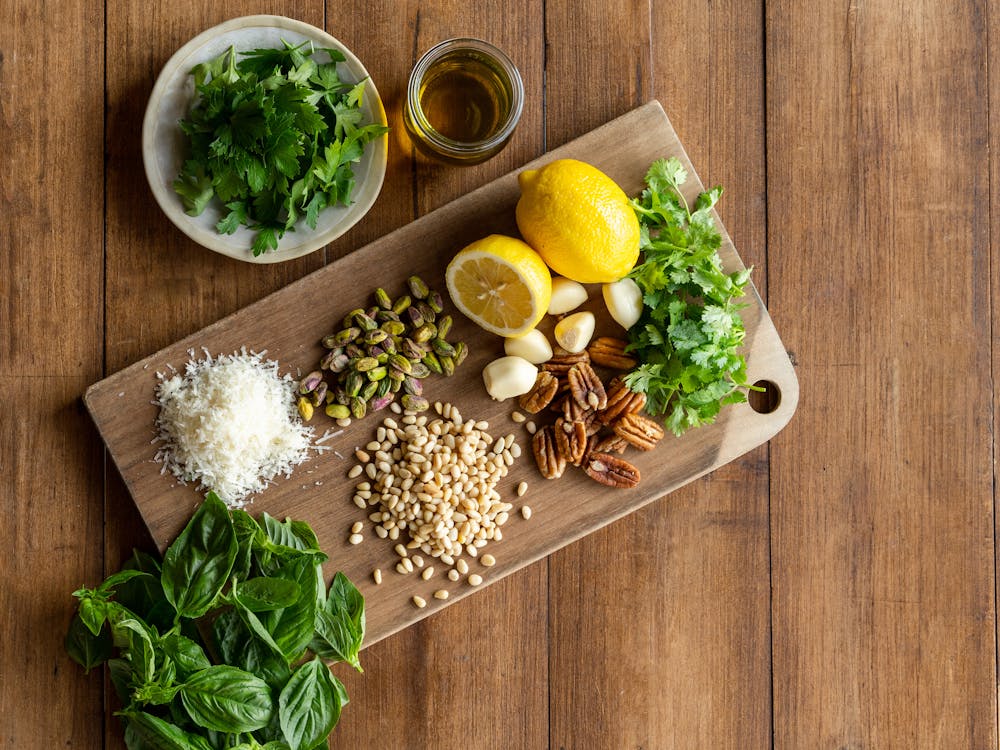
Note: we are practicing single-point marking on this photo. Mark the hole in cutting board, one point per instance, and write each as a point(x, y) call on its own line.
point(765, 401)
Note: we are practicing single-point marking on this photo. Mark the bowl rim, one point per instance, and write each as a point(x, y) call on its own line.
point(168, 200)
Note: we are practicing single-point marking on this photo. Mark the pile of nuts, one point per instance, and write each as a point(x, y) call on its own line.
point(435, 480)
point(380, 352)
point(595, 420)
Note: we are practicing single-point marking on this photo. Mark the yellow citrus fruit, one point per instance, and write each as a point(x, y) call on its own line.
point(579, 221)
point(501, 284)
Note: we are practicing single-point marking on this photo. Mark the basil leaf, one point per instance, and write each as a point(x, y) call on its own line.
point(340, 623)
point(144, 731)
point(227, 699)
point(266, 594)
point(136, 641)
point(116, 579)
point(309, 706)
point(85, 648)
point(92, 613)
point(237, 645)
point(120, 672)
point(187, 655)
point(247, 531)
point(294, 534)
point(292, 627)
point(197, 565)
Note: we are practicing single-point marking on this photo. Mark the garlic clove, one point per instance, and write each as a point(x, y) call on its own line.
point(574, 332)
point(566, 295)
point(508, 377)
point(532, 346)
point(624, 301)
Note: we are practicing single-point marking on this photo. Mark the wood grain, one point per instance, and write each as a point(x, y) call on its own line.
point(882, 489)
point(679, 590)
point(50, 346)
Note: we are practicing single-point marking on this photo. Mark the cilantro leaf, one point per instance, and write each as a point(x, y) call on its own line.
point(690, 331)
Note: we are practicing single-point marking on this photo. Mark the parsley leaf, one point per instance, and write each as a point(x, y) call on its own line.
point(272, 135)
point(690, 332)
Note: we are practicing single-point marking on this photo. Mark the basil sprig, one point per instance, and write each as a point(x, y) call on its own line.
point(257, 679)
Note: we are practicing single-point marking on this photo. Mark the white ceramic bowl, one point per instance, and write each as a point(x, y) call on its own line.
point(163, 143)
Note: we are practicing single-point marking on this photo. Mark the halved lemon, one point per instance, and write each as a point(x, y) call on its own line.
point(501, 284)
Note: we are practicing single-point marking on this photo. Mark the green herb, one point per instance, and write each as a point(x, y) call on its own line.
point(689, 336)
point(255, 589)
point(273, 137)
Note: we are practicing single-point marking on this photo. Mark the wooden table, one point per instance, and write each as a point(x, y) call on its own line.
point(832, 589)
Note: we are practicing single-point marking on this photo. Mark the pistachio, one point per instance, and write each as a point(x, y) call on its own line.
point(383, 387)
point(347, 335)
point(394, 384)
point(461, 352)
point(414, 403)
point(419, 370)
point(348, 320)
point(380, 402)
point(425, 333)
point(444, 326)
point(417, 287)
point(305, 408)
point(353, 351)
point(330, 342)
point(358, 408)
point(435, 301)
point(337, 411)
point(427, 311)
point(375, 336)
point(369, 390)
point(383, 299)
point(401, 363)
point(389, 346)
point(442, 348)
point(377, 373)
point(412, 350)
point(431, 361)
point(335, 360)
point(396, 374)
point(447, 364)
point(394, 327)
point(353, 384)
point(310, 382)
point(376, 351)
point(401, 304)
point(385, 316)
point(319, 395)
point(364, 321)
point(364, 364)
point(415, 317)
point(413, 386)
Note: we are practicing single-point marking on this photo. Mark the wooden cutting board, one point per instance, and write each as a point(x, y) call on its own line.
point(290, 323)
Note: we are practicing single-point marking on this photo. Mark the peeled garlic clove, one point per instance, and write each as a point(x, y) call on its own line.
point(624, 301)
point(566, 295)
point(508, 377)
point(532, 346)
point(574, 332)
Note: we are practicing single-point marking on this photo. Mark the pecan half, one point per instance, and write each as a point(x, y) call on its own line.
point(586, 388)
point(571, 440)
point(609, 443)
point(611, 471)
point(640, 431)
point(551, 462)
point(541, 394)
point(571, 411)
point(562, 360)
point(608, 351)
point(621, 401)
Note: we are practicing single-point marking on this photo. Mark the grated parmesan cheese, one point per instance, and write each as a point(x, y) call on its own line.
point(230, 424)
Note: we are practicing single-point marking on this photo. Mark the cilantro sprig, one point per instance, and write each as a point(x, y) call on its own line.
point(272, 136)
point(689, 336)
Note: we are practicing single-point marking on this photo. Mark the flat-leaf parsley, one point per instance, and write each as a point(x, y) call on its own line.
point(688, 338)
point(273, 137)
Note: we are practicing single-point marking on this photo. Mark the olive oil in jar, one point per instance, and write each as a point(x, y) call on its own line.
point(463, 101)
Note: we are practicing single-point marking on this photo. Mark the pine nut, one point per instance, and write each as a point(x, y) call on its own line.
point(362, 456)
point(530, 426)
point(427, 573)
point(377, 575)
point(453, 575)
point(526, 512)
point(518, 417)
point(355, 539)
point(475, 579)
point(355, 471)
point(419, 601)
point(357, 527)
point(488, 560)
point(462, 566)
point(441, 594)
point(522, 487)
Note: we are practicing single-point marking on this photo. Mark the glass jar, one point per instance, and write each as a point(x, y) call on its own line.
point(463, 101)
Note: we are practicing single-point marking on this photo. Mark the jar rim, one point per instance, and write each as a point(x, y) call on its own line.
point(441, 142)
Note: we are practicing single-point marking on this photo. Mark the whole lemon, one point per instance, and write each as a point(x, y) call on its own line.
point(579, 221)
